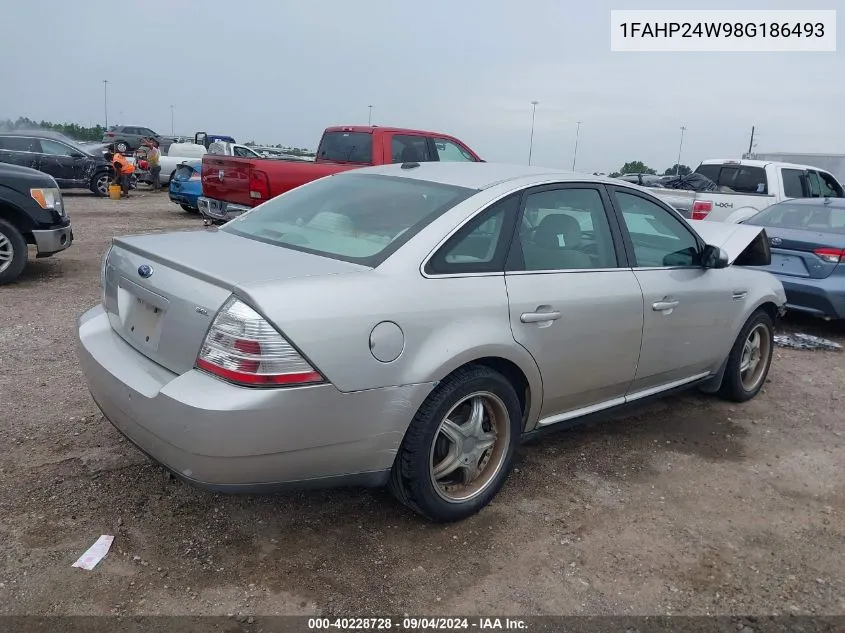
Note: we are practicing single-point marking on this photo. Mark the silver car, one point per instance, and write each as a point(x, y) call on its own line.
point(410, 324)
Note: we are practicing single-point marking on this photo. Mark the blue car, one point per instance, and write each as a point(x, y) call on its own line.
point(186, 185)
point(807, 238)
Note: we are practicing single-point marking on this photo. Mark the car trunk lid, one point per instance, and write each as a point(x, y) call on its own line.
point(794, 252)
point(162, 291)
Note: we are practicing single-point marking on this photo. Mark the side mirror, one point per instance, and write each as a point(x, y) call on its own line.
point(77, 155)
point(714, 257)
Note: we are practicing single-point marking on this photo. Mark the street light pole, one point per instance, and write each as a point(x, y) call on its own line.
point(370, 117)
point(680, 147)
point(575, 155)
point(171, 120)
point(531, 145)
point(106, 100)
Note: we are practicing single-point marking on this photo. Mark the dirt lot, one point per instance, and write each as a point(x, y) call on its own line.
point(693, 506)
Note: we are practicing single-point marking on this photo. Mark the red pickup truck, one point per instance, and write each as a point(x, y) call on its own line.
point(232, 185)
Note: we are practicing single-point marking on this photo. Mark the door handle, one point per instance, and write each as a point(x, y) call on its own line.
point(539, 317)
point(662, 306)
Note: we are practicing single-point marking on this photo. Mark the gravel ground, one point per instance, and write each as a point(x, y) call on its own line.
point(691, 506)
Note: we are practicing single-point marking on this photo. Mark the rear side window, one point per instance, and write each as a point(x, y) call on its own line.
point(793, 183)
point(20, 144)
point(409, 148)
point(346, 147)
point(353, 217)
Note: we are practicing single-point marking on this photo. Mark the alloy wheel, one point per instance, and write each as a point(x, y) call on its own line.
point(755, 354)
point(470, 447)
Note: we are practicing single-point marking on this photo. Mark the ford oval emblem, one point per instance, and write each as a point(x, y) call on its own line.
point(776, 241)
point(145, 271)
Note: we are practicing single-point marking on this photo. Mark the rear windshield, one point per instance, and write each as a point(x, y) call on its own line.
point(736, 178)
point(353, 217)
point(346, 147)
point(810, 217)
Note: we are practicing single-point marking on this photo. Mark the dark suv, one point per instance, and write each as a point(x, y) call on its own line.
point(129, 137)
point(72, 166)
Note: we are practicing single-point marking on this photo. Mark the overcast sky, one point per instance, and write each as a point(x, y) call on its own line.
point(279, 71)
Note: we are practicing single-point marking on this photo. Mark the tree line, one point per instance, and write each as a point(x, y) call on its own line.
point(72, 130)
point(639, 167)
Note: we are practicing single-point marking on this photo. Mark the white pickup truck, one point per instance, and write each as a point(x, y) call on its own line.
point(746, 187)
point(178, 153)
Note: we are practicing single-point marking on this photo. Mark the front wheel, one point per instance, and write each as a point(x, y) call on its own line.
point(13, 253)
point(459, 447)
point(750, 359)
point(100, 184)
point(122, 146)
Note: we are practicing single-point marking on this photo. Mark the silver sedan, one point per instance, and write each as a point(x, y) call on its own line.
point(409, 325)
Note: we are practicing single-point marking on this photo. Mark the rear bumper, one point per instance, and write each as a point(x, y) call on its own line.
point(52, 241)
point(235, 439)
point(820, 297)
point(220, 211)
point(184, 195)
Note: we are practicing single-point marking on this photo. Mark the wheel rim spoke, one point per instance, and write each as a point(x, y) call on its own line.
point(453, 431)
point(449, 465)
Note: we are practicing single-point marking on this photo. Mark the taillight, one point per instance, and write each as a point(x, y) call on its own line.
point(195, 176)
point(243, 348)
point(110, 134)
point(701, 209)
point(830, 255)
point(259, 185)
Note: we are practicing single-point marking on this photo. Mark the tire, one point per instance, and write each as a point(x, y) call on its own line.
point(100, 184)
point(189, 208)
point(121, 146)
point(13, 253)
point(735, 387)
point(471, 389)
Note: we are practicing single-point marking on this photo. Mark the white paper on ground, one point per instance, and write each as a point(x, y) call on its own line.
point(95, 553)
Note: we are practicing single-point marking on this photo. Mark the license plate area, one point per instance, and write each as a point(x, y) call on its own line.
point(789, 264)
point(141, 314)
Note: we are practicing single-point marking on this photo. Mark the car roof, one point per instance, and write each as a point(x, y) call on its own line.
point(478, 175)
point(830, 203)
point(39, 134)
point(759, 163)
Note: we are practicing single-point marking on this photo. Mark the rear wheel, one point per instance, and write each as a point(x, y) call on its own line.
point(459, 447)
point(13, 252)
point(100, 184)
point(750, 359)
point(189, 208)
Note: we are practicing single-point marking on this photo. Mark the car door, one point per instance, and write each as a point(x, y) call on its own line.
point(410, 148)
point(61, 161)
point(574, 303)
point(688, 309)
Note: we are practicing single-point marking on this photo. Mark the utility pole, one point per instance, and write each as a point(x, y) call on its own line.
point(106, 100)
point(370, 117)
point(171, 120)
point(680, 147)
point(751, 142)
point(531, 145)
point(575, 154)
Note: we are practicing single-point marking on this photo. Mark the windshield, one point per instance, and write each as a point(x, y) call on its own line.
point(353, 217)
point(809, 217)
point(346, 147)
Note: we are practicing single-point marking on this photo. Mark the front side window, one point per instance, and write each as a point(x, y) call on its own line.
point(658, 237)
point(829, 187)
point(353, 217)
point(55, 148)
point(449, 151)
point(565, 229)
point(346, 147)
point(409, 148)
